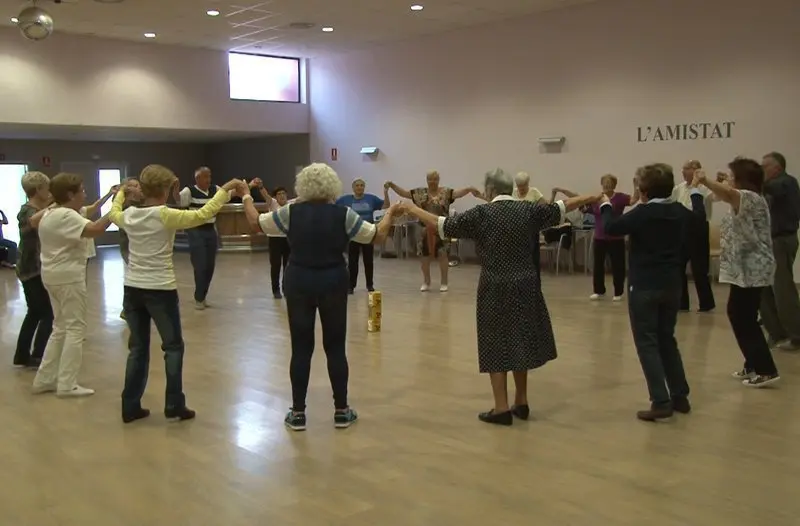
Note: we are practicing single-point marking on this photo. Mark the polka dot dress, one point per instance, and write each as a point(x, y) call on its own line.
point(514, 328)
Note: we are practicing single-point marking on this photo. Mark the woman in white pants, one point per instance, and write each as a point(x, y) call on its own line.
point(62, 231)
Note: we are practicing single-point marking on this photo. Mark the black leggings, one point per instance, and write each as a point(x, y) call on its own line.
point(615, 250)
point(743, 304)
point(278, 259)
point(38, 321)
point(302, 310)
point(352, 262)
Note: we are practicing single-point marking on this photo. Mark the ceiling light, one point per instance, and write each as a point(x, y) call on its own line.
point(327, 29)
point(417, 7)
point(212, 12)
point(14, 20)
point(149, 35)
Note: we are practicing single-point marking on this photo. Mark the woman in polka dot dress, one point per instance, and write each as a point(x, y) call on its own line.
point(514, 329)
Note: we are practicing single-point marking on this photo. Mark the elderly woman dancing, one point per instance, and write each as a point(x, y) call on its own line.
point(316, 278)
point(514, 329)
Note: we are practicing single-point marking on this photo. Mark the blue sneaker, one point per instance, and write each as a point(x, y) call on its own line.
point(295, 421)
point(344, 419)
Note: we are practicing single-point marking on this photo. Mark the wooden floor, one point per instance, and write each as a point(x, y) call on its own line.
point(418, 456)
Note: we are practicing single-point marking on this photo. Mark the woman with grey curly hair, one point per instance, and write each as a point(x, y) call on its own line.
point(316, 278)
point(514, 329)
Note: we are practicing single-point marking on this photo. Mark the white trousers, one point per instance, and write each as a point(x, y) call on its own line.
point(64, 352)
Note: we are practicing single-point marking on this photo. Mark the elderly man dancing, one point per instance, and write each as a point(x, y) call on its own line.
point(514, 329)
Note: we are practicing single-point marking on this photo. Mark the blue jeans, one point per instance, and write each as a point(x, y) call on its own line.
point(653, 315)
point(160, 306)
point(11, 247)
point(203, 246)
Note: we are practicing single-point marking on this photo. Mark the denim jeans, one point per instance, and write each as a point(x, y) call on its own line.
point(203, 246)
point(308, 291)
point(38, 321)
point(160, 306)
point(653, 315)
point(11, 247)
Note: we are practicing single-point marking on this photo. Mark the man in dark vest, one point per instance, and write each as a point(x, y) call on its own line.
point(203, 240)
point(780, 305)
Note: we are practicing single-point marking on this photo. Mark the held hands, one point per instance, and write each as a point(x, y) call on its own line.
point(387, 185)
point(699, 178)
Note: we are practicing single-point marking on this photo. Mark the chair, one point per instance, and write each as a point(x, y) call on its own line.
point(716, 250)
point(553, 249)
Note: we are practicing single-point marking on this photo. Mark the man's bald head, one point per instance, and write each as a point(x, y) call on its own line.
point(202, 178)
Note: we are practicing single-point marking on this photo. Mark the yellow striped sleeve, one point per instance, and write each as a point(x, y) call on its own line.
point(182, 219)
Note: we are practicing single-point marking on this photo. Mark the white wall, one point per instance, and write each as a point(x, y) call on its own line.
point(72, 80)
point(472, 100)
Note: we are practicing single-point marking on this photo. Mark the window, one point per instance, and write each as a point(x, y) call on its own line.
point(12, 199)
point(106, 178)
point(264, 78)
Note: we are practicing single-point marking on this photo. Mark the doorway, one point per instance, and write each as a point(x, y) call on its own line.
point(11, 198)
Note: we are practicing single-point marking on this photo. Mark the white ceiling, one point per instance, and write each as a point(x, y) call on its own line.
point(258, 26)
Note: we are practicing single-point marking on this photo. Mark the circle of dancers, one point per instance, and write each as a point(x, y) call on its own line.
point(661, 225)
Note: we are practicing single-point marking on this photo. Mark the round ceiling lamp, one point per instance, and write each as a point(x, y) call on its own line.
point(35, 23)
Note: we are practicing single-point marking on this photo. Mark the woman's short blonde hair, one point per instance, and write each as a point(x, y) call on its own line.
point(156, 180)
point(33, 181)
point(318, 182)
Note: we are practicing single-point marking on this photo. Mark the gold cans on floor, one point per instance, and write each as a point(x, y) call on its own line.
point(375, 309)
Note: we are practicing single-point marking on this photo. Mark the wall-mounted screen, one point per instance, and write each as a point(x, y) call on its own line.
point(264, 78)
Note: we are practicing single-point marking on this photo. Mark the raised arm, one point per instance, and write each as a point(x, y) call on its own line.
point(402, 192)
point(3, 218)
point(96, 228)
point(182, 198)
point(568, 193)
point(115, 215)
point(95, 207)
point(723, 191)
point(183, 219)
point(366, 233)
point(386, 201)
point(37, 217)
point(458, 194)
point(622, 225)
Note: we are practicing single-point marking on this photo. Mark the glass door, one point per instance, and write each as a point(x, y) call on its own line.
point(11, 198)
point(108, 175)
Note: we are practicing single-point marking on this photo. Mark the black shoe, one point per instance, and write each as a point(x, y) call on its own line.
point(680, 404)
point(22, 362)
point(501, 419)
point(277, 295)
point(521, 411)
point(656, 413)
point(370, 289)
point(135, 415)
point(344, 419)
point(183, 413)
point(295, 421)
point(350, 291)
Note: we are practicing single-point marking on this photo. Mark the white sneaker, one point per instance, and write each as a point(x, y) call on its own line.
point(42, 389)
point(425, 287)
point(443, 288)
point(199, 305)
point(596, 297)
point(75, 392)
point(616, 298)
point(205, 304)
